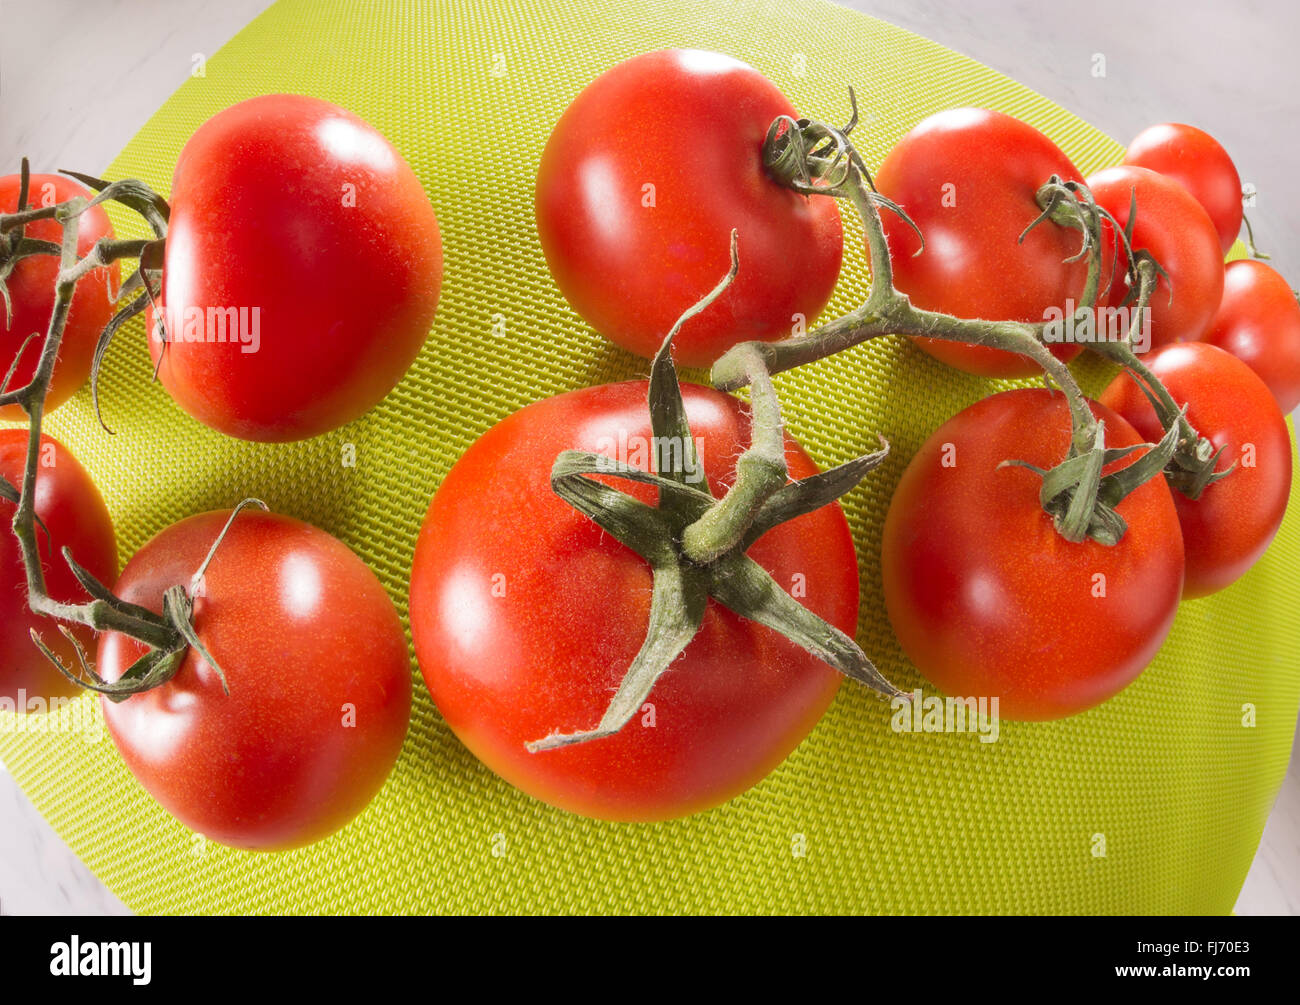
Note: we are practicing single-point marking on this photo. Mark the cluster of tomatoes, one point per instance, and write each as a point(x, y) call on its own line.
point(526, 618)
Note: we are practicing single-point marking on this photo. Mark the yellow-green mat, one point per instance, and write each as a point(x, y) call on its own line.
point(892, 823)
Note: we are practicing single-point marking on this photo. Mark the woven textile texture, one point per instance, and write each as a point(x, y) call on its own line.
point(467, 90)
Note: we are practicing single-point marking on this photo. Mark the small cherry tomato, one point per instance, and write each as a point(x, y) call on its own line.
point(988, 599)
point(302, 270)
point(1229, 527)
point(320, 683)
point(1258, 321)
point(640, 185)
point(968, 178)
point(1194, 159)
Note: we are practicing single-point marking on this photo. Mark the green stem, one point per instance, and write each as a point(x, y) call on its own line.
point(760, 472)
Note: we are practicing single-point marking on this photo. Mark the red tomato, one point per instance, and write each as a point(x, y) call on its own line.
point(985, 595)
point(1176, 230)
point(968, 177)
point(302, 270)
point(640, 185)
point(1196, 161)
point(320, 683)
point(31, 288)
point(526, 616)
point(1258, 321)
point(74, 514)
point(1230, 526)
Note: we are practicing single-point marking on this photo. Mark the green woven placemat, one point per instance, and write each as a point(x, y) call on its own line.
point(892, 823)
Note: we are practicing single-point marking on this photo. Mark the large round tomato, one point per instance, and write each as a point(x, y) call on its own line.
point(968, 177)
point(1258, 321)
point(988, 599)
point(319, 676)
point(1178, 233)
point(526, 616)
point(302, 270)
point(640, 185)
point(74, 517)
point(1195, 160)
point(1229, 527)
point(31, 291)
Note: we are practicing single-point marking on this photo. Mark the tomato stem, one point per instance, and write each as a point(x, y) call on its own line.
point(167, 636)
point(818, 160)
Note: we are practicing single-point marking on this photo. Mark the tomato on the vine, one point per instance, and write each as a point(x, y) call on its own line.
point(988, 599)
point(1230, 525)
point(1258, 321)
point(526, 616)
point(968, 178)
point(640, 185)
point(320, 685)
point(302, 271)
point(72, 515)
point(1197, 161)
point(1173, 227)
point(31, 293)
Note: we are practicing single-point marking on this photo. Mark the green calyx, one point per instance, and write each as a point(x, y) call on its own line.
point(696, 543)
point(169, 638)
point(1082, 501)
point(1190, 460)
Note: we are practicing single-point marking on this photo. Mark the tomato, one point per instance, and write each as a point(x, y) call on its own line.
point(31, 289)
point(1258, 321)
point(1230, 526)
point(988, 599)
point(526, 616)
point(640, 185)
point(319, 676)
point(302, 270)
point(74, 517)
point(1176, 230)
point(968, 177)
point(1195, 160)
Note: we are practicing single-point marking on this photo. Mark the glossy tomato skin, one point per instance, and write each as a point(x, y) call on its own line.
point(298, 210)
point(1230, 526)
point(690, 124)
point(526, 616)
point(75, 517)
point(320, 683)
point(988, 599)
point(31, 289)
point(1174, 227)
point(1196, 160)
point(968, 177)
point(1258, 321)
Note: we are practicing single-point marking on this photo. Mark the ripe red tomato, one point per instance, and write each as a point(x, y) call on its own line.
point(968, 177)
point(1230, 526)
point(985, 595)
point(31, 289)
point(640, 185)
point(1195, 160)
point(74, 514)
point(301, 230)
point(1258, 321)
point(1176, 230)
point(319, 675)
point(526, 616)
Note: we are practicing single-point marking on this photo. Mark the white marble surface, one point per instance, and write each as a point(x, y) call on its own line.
point(1231, 73)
